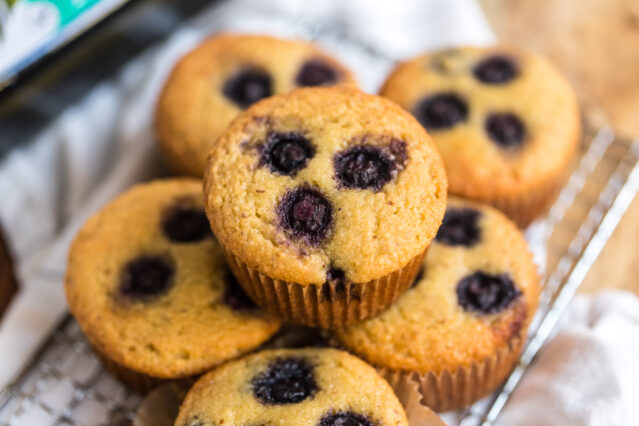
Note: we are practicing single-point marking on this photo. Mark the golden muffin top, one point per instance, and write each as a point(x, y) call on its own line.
point(504, 119)
point(223, 76)
point(325, 180)
point(149, 286)
point(292, 387)
point(478, 289)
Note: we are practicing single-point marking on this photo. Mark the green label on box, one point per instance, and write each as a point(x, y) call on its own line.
point(68, 9)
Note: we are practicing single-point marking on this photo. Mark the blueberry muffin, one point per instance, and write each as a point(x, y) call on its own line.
point(324, 201)
point(460, 328)
point(320, 387)
point(225, 75)
point(148, 284)
point(506, 123)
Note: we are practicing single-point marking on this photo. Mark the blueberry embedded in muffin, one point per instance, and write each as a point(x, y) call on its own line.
point(319, 387)
point(460, 328)
point(148, 284)
point(486, 293)
point(317, 72)
point(321, 195)
point(224, 75)
point(287, 153)
point(505, 129)
point(304, 213)
point(505, 121)
point(441, 111)
point(146, 277)
point(286, 381)
point(185, 223)
point(247, 86)
point(345, 418)
point(459, 227)
point(370, 166)
point(496, 69)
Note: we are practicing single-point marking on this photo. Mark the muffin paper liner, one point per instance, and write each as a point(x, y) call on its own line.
point(138, 382)
point(446, 390)
point(523, 209)
point(327, 305)
point(420, 394)
point(418, 414)
point(160, 407)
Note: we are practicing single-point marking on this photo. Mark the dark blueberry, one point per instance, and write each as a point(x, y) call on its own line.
point(234, 295)
point(345, 418)
point(286, 381)
point(145, 277)
point(316, 73)
point(398, 150)
point(505, 129)
point(306, 214)
point(287, 153)
point(459, 227)
point(419, 277)
point(335, 275)
point(496, 70)
point(248, 86)
point(186, 225)
point(364, 167)
point(441, 111)
point(485, 293)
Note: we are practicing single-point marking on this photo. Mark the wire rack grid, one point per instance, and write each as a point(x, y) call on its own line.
point(65, 384)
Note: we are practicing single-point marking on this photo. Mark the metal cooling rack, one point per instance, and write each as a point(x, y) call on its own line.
point(65, 384)
point(579, 224)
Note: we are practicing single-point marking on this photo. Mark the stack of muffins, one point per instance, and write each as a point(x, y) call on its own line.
point(327, 207)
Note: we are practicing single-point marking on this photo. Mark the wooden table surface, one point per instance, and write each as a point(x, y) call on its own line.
point(596, 44)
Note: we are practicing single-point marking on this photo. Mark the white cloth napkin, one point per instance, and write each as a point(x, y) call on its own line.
point(589, 373)
point(104, 144)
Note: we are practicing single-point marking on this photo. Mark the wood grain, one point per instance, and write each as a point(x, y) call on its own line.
point(596, 44)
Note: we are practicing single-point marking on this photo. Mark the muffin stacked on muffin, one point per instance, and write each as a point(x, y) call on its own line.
point(148, 285)
point(323, 387)
point(505, 121)
point(325, 200)
point(460, 328)
point(225, 75)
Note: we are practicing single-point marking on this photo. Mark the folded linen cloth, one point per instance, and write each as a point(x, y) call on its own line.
point(589, 373)
point(104, 144)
